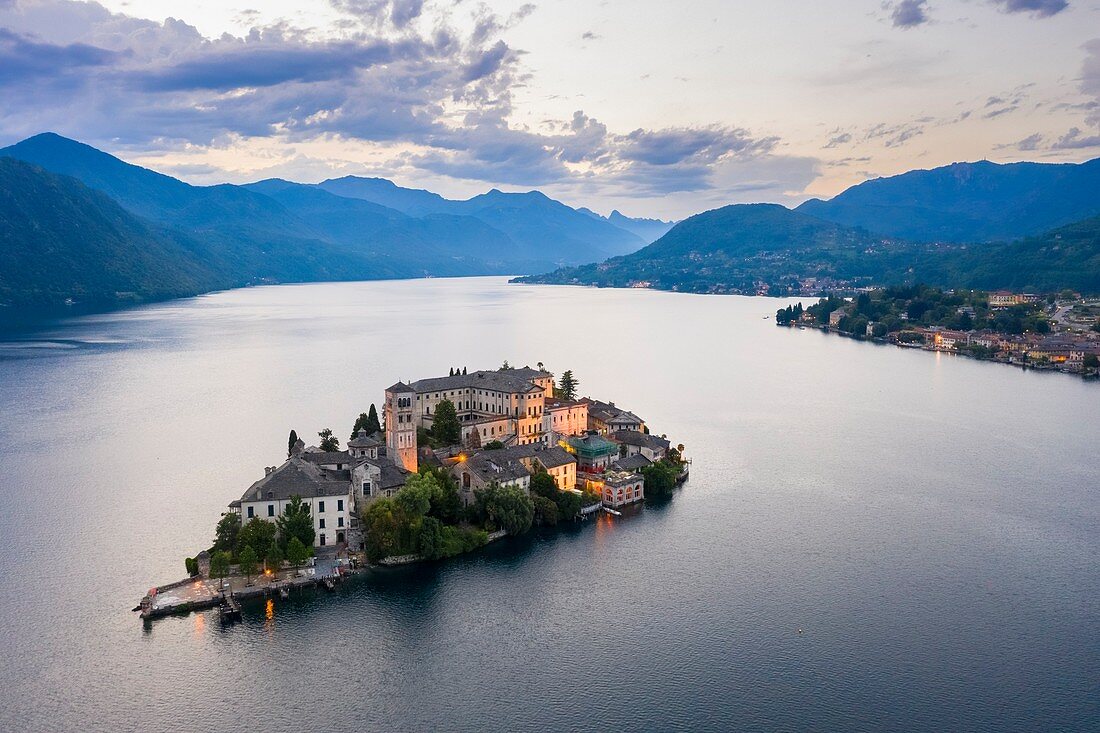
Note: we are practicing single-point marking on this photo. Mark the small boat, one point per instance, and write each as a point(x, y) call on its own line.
point(284, 592)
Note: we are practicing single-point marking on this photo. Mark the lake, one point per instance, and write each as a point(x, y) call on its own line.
point(930, 523)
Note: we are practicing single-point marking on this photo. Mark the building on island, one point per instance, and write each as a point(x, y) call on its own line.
point(326, 491)
point(652, 447)
point(581, 444)
point(605, 417)
point(619, 488)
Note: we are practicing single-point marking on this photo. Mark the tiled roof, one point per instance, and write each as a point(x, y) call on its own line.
point(645, 440)
point(297, 477)
point(362, 440)
point(506, 381)
point(327, 457)
point(635, 462)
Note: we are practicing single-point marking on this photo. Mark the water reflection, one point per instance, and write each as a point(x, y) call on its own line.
point(859, 492)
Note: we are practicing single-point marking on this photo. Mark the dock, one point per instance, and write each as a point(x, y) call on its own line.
point(200, 594)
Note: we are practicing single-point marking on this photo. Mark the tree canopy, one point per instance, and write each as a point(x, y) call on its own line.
point(445, 426)
point(366, 421)
point(329, 442)
point(295, 523)
point(257, 534)
point(567, 386)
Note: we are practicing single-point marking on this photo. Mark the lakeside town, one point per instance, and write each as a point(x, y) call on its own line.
point(1053, 332)
point(454, 462)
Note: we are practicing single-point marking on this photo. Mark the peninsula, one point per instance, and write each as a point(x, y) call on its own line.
point(457, 461)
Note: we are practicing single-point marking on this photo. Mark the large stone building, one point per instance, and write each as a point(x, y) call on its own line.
point(333, 484)
point(512, 406)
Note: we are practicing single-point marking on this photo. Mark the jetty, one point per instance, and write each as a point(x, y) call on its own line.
point(199, 594)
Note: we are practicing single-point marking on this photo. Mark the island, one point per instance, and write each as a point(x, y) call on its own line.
point(1057, 331)
point(456, 462)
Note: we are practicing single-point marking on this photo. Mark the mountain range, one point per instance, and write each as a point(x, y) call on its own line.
point(987, 225)
point(279, 231)
point(968, 202)
point(78, 224)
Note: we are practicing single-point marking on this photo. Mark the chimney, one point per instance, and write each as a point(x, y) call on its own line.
point(268, 470)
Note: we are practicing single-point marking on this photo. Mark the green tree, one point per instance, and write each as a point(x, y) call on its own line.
point(381, 530)
point(366, 421)
point(506, 507)
point(567, 386)
point(297, 553)
point(360, 424)
point(445, 426)
point(219, 565)
point(546, 511)
point(569, 504)
point(373, 425)
point(429, 541)
point(273, 558)
point(543, 484)
point(1092, 361)
point(248, 563)
point(494, 445)
point(329, 442)
point(446, 502)
point(226, 532)
point(257, 534)
point(295, 523)
point(290, 443)
point(660, 479)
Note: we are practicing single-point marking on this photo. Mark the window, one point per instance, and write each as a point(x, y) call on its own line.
point(366, 488)
point(322, 540)
point(321, 507)
point(321, 523)
point(339, 521)
point(271, 510)
point(251, 512)
point(339, 505)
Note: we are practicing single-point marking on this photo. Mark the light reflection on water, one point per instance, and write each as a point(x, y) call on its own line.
point(931, 523)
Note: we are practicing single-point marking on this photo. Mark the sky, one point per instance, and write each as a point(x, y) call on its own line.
point(657, 109)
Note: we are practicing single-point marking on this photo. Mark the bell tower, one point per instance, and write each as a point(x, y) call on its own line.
point(401, 426)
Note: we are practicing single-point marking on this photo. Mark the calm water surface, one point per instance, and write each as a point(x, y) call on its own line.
point(932, 524)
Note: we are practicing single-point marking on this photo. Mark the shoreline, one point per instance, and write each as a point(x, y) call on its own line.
point(1023, 365)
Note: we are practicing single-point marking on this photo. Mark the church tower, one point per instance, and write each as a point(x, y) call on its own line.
point(400, 426)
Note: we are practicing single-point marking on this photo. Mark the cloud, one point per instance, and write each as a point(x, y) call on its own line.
point(909, 13)
point(1076, 140)
point(589, 36)
point(437, 100)
point(1038, 8)
point(894, 136)
point(1029, 143)
point(839, 139)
